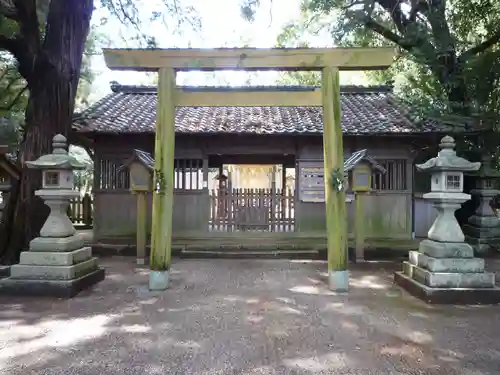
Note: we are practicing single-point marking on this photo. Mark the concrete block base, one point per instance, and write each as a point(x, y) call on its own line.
point(37, 258)
point(50, 288)
point(483, 246)
point(454, 296)
point(338, 281)
point(449, 279)
point(158, 280)
point(458, 265)
point(36, 272)
point(51, 244)
point(437, 249)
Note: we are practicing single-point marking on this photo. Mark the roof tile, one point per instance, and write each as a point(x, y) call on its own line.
point(365, 110)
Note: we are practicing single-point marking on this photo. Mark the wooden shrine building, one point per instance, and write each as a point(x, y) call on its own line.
point(211, 141)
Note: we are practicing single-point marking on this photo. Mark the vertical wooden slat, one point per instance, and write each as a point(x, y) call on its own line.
point(105, 178)
point(183, 171)
point(87, 210)
point(79, 209)
point(273, 199)
point(213, 208)
point(199, 169)
point(96, 180)
point(290, 206)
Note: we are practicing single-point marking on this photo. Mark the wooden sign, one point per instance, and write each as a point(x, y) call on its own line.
point(311, 181)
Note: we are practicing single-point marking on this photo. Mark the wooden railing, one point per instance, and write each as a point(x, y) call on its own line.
point(252, 210)
point(80, 211)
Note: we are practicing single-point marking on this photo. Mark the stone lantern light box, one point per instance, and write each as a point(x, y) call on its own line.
point(447, 181)
point(141, 167)
point(58, 179)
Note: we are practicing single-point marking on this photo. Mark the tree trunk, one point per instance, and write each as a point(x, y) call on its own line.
point(52, 82)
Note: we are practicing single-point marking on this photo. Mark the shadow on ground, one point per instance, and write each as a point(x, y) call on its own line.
point(246, 317)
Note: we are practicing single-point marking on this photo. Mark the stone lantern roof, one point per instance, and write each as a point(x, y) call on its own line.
point(59, 158)
point(447, 159)
point(487, 170)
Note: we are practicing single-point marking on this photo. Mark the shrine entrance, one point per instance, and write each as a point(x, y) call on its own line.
point(249, 197)
point(167, 62)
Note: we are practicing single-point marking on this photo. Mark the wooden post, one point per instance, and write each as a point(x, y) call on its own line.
point(87, 210)
point(141, 197)
point(163, 186)
point(273, 201)
point(336, 226)
point(359, 227)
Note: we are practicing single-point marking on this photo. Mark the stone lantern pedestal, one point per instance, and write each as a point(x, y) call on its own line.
point(444, 269)
point(482, 231)
point(57, 263)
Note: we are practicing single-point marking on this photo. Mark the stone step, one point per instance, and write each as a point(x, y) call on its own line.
point(31, 272)
point(249, 253)
point(50, 288)
point(449, 279)
point(458, 265)
point(455, 296)
point(51, 244)
point(55, 259)
point(446, 249)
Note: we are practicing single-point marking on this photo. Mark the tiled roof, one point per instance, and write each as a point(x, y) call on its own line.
point(365, 110)
point(358, 156)
point(145, 158)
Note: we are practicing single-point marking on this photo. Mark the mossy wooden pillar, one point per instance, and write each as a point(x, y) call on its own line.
point(336, 226)
point(163, 187)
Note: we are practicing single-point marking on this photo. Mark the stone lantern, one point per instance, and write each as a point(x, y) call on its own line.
point(444, 269)
point(483, 228)
point(57, 263)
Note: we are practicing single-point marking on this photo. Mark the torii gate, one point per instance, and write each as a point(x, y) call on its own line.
point(327, 60)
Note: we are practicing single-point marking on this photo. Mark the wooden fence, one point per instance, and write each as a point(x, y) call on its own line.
point(270, 210)
point(80, 211)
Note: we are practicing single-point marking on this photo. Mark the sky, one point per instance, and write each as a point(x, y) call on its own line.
point(221, 26)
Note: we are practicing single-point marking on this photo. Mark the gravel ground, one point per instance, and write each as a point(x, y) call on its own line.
point(224, 316)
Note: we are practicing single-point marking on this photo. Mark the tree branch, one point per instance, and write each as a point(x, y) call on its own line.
point(388, 34)
point(490, 42)
point(7, 9)
point(393, 8)
point(417, 6)
point(28, 24)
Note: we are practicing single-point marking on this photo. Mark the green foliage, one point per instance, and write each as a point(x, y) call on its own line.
point(450, 48)
point(13, 88)
point(83, 178)
point(337, 180)
point(174, 15)
point(14, 91)
point(449, 57)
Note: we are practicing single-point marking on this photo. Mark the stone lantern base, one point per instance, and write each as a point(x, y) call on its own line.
point(53, 267)
point(447, 273)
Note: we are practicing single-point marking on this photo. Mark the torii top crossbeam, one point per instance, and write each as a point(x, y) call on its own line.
point(187, 59)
